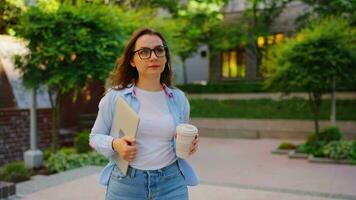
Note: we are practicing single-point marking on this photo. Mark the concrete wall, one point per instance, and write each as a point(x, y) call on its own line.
point(198, 66)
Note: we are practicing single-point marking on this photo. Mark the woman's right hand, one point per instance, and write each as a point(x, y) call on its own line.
point(125, 147)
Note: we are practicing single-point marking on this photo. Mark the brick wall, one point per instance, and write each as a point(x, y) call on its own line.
point(15, 132)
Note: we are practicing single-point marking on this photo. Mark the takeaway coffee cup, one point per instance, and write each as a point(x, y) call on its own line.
point(185, 136)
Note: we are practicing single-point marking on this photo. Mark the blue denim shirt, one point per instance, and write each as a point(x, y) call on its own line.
point(101, 140)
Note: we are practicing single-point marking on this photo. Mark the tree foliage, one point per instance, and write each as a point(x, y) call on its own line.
point(323, 8)
point(323, 51)
point(69, 47)
point(9, 14)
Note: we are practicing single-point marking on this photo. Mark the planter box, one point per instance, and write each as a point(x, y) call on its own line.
point(313, 159)
point(7, 189)
point(294, 154)
point(281, 151)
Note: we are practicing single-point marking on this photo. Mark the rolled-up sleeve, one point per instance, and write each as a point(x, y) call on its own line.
point(99, 137)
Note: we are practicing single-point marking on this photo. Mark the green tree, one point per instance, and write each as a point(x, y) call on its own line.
point(325, 53)
point(9, 14)
point(257, 21)
point(69, 47)
point(197, 20)
point(323, 8)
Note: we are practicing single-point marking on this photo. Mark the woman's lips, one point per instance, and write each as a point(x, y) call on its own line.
point(153, 66)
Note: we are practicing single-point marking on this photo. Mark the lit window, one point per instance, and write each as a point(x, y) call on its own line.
point(279, 37)
point(226, 64)
point(233, 65)
point(260, 41)
point(271, 39)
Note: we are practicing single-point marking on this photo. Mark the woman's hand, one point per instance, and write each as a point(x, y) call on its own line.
point(194, 146)
point(125, 147)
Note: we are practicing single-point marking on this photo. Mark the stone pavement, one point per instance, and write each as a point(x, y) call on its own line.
point(229, 169)
point(266, 128)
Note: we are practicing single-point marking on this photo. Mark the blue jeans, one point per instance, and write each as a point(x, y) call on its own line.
point(166, 183)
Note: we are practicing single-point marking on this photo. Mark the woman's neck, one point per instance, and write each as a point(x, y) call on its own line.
point(149, 84)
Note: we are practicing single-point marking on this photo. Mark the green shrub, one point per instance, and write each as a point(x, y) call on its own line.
point(316, 143)
point(353, 151)
point(302, 148)
point(327, 135)
point(338, 150)
point(246, 87)
point(330, 134)
point(61, 161)
point(234, 87)
point(81, 142)
point(287, 145)
point(47, 153)
point(68, 150)
point(315, 148)
point(15, 172)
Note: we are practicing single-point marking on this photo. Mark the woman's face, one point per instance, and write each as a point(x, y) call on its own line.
point(149, 57)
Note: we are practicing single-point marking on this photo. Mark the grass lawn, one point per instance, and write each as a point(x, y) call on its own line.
point(269, 109)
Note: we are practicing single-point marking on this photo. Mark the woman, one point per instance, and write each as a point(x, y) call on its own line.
point(143, 78)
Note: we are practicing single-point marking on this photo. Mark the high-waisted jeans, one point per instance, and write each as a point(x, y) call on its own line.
point(163, 184)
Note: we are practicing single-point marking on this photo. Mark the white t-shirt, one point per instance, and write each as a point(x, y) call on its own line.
point(155, 132)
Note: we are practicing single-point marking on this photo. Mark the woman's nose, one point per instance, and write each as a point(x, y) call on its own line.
point(153, 56)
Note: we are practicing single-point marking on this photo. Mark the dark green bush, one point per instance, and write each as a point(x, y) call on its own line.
point(316, 142)
point(287, 145)
point(234, 87)
point(353, 151)
point(329, 134)
point(245, 87)
point(47, 153)
point(302, 148)
point(61, 161)
point(315, 148)
point(15, 172)
point(81, 142)
point(338, 150)
point(68, 150)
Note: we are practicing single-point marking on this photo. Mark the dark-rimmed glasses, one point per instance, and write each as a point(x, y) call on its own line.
point(145, 52)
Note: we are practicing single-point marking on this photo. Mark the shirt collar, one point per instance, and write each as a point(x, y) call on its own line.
point(131, 90)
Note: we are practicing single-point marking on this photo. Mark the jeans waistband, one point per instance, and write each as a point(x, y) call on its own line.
point(163, 171)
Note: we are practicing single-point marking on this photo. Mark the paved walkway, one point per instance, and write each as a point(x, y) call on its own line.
point(266, 128)
point(275, 96)
point(229, 169)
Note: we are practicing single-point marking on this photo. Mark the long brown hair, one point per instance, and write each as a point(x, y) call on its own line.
point(124, 74)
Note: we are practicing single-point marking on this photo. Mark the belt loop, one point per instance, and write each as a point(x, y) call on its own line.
point(161, 172)
point(132, 172)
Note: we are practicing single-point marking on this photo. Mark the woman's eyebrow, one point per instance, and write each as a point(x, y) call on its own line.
point(143, 47)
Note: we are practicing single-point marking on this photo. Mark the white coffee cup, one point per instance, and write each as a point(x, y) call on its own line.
point(185, 136)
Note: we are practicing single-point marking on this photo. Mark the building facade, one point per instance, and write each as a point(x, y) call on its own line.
point(240, 63)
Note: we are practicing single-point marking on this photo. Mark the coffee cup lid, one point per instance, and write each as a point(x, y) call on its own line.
point(187, 129)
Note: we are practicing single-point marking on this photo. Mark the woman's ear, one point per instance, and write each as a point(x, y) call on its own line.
point(132, 63)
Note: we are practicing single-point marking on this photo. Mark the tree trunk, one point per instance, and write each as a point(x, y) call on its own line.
point(333, 103)
point(315, 102)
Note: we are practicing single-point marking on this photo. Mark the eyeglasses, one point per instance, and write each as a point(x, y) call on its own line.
point(145, 53)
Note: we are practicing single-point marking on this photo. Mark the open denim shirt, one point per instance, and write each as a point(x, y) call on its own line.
point(101, 140)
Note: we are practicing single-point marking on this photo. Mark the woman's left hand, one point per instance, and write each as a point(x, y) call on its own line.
point(194, 146)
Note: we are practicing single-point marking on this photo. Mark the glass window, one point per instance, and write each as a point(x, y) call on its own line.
point(233, 65)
